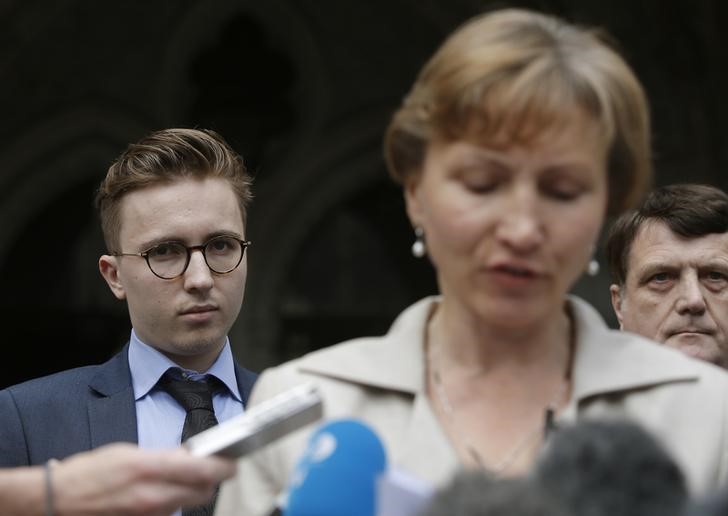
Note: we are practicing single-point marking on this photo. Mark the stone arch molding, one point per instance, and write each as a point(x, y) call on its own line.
point(199, 29)
point(286, 212)
point(53, 157)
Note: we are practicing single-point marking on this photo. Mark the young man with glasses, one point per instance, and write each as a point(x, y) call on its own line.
point(173, 211)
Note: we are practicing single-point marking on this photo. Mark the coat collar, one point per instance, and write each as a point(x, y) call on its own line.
point(394, 361)
point(605, 360)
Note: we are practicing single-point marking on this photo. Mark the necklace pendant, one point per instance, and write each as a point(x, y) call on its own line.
point(549, 424)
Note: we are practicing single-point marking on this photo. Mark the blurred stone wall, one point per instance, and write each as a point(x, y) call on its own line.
point(303, 90)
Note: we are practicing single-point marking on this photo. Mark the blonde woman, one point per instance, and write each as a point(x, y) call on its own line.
point(518, 137)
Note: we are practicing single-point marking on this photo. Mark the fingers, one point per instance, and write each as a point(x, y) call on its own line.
point(123, 479)
point(162, 498)
point(184, 480)
point(181, 467)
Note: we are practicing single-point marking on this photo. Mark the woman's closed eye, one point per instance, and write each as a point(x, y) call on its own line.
point(481, 176)
point(562, 193)
point(562, 188)
point(480, 186)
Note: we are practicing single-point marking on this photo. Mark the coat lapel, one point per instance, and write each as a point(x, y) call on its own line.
point(397, 362)
point(111, 408)
point(245, 379)
point(608, 361)
point(605, 361)
point(392, 362)
point(425, 433)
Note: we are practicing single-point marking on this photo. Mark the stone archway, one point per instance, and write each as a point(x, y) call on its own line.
point(53, 296)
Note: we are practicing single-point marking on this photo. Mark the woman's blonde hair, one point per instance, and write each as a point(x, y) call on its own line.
point(518, 72)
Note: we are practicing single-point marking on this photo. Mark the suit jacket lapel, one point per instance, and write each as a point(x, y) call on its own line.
point(111, 407)
point(245, 380)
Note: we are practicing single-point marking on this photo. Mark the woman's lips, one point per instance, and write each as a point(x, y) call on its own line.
point(511, 276)
point(515, 270)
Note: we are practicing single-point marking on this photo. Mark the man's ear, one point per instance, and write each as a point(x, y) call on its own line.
point(109, 269)
point(616, 294)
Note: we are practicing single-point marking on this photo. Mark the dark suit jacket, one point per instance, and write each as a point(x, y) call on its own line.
point(75, 410)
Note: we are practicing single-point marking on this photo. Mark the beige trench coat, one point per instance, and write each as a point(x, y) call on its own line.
point(380, 380)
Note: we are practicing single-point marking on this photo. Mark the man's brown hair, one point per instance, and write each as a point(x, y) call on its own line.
point(689, 210)
point(164, 157)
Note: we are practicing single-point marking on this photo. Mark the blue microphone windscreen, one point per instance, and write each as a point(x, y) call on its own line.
point(337, 473)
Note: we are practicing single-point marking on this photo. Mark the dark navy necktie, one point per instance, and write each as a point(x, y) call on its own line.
point(196, 398)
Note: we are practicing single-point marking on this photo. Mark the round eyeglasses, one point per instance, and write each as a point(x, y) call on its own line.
point(169, 260)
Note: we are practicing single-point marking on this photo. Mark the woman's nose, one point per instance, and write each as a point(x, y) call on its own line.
point(521, 228)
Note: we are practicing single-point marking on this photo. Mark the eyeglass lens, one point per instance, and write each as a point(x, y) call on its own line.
point(170, 259)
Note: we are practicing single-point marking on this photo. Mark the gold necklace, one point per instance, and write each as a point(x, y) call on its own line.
point(526, 440)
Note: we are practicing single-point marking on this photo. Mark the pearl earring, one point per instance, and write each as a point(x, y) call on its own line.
point(593, 268)
point(418, 246)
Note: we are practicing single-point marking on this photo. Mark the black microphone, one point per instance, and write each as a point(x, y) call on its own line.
point(712, 504)
point(476, 493)
point(600, 468)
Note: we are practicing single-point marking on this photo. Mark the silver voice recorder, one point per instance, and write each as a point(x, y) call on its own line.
point(260, 424)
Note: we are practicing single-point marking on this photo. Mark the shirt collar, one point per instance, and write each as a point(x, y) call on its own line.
point(147, 366)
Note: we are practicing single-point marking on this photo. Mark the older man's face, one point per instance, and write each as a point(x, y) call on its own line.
point(676, 291)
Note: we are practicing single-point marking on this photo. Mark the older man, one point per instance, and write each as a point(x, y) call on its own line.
point(669, 263)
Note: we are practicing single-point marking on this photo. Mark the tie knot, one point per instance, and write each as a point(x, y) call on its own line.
point(191, 394)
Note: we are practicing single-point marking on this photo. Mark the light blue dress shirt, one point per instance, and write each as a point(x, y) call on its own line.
point(159, 417)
